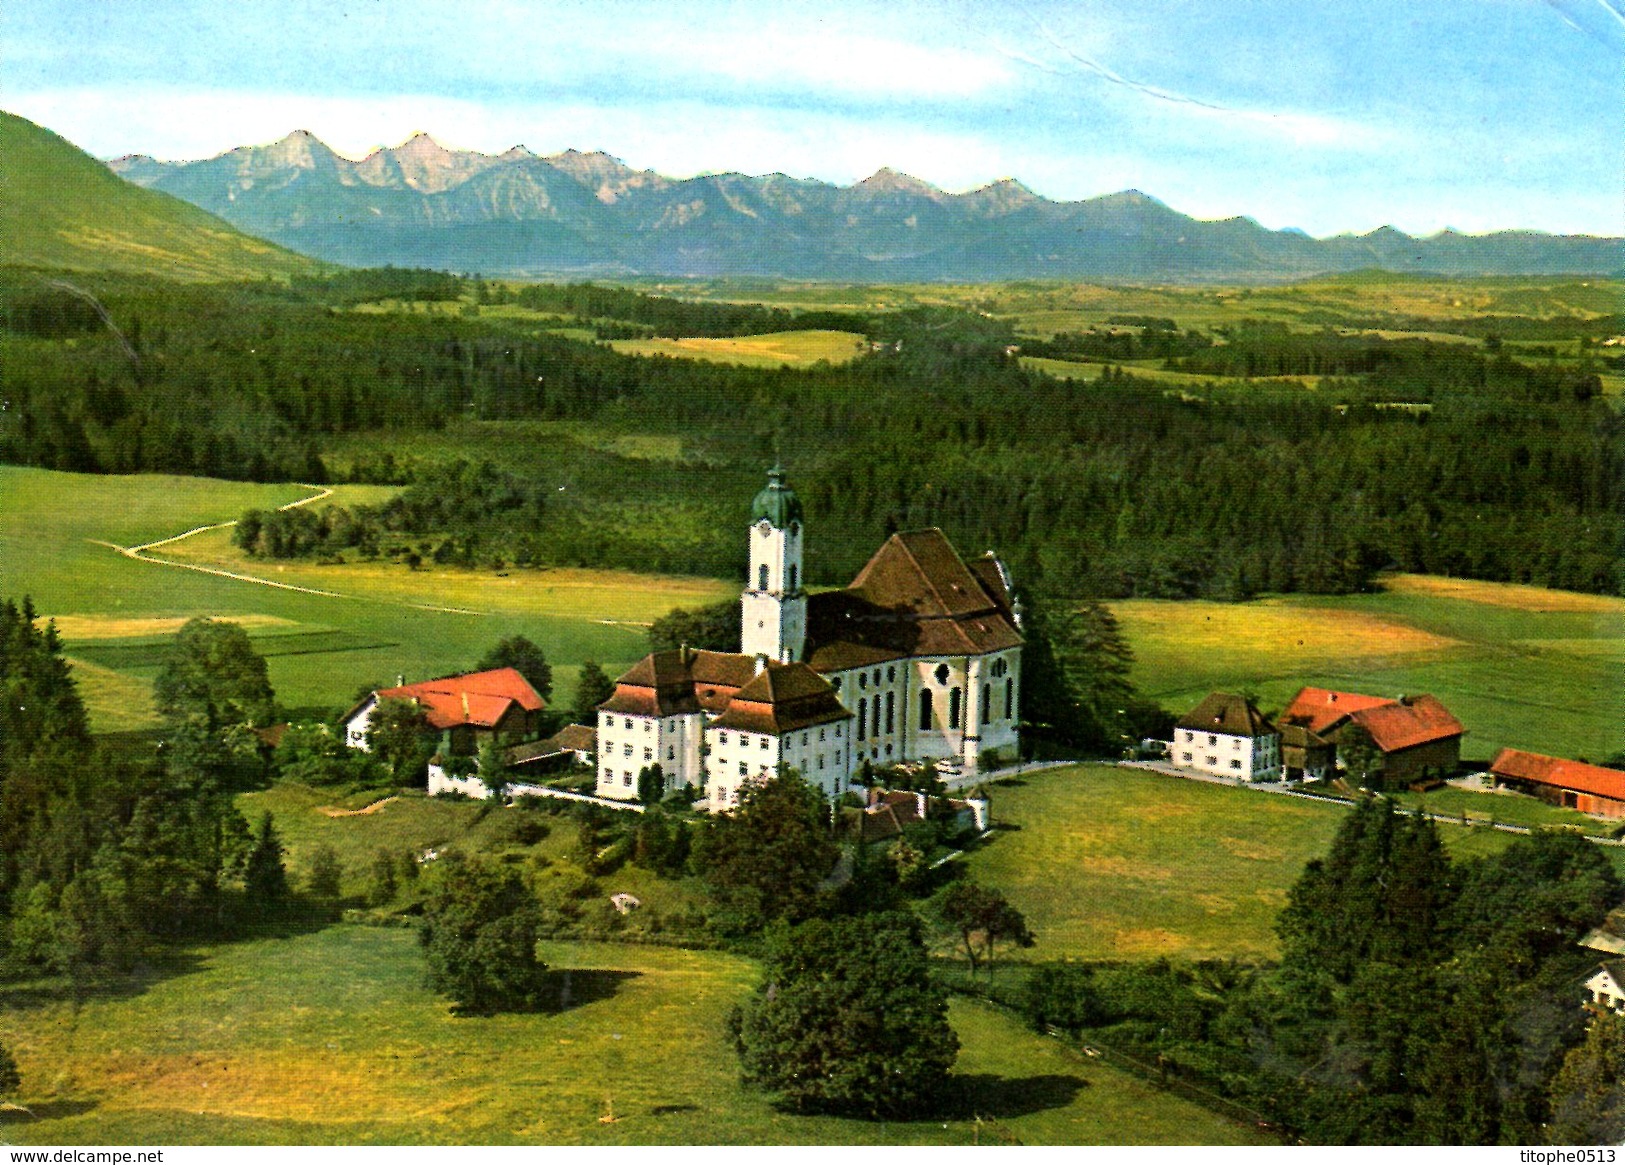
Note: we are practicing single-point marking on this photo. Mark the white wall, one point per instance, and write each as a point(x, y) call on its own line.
point(1244, 758)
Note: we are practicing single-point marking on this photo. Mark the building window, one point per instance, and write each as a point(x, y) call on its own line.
point(875, 724)
point(925, 711)
point(722, 738)
point(629, 724)
point(863, 714)
point(609, 776)
point(761, 577)
point(671, 752)
point(877, 677)
point(987, 702)
point(1212, 762)
point(1189, 738)
point(626, 779)
point(792, 576)
point(953, 708)
point(743, 771)
point(837, 732)
point(820, 736)
point(764, 743)
point(803, 740)
point(863, 680)
point(609, 721)
point(648, 754)
point(941, 673)
point(1212, 740)
point(1009, 699)
point(835, 682)
point(820, 761)
point(891, 708)
point(891, 675)
point(1235, 764)
point(626, 750)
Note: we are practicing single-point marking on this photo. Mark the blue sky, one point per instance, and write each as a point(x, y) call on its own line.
point(1328, 116)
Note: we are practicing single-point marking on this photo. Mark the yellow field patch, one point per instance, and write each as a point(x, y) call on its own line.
point(794, 348)
point(1513, 595)
point(1149, 941)
point(116, 702)
point(82, 627)
point(1252, 851)
point(1283, 630)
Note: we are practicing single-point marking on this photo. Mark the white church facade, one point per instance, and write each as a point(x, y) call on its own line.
point(918, 659)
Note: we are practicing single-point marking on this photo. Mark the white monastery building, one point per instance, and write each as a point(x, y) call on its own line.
point(918, 659)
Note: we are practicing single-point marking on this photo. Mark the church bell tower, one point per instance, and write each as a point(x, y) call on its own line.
point(774, 621)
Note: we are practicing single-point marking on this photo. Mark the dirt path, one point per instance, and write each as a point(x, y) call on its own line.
point(139, 554)
point(330, 811)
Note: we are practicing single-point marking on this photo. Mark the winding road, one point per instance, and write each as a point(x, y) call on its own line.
point(140, 554)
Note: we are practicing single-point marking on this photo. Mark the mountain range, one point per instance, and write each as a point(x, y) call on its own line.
point(61, 209)
point(515, 213)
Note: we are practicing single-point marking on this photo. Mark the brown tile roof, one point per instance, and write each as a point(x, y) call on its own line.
point(783, 698)
point(480, 699)
point(1558, 773)
point(1415, 720)
point(915, 597)
point(677, 681)
point(1228, 715)
point(570, 738)
point(1321, 709)
point(1297, 736)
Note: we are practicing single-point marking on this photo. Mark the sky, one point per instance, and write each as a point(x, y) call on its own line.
point(1324, 115)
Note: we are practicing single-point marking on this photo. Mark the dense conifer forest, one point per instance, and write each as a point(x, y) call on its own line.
point(1407, 453)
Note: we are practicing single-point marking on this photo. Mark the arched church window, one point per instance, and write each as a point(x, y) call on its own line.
point(1009, 698)
point(925, 710)
point(941, 673)
point(863, 679)
point(795, 529)
point(792, 576)
point(891, 707)
point(953, 708)
point(876, 724)
point(863, 716)
point(761, 577)
point(987, 701)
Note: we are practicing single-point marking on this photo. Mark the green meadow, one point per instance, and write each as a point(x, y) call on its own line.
point(772, 350)
point(371, 623)
point(332, 1038)
point(1108, 862)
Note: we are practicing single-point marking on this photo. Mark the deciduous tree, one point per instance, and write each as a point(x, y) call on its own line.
point(525, 657)
point(480, 926)
point(767, 859)
point(848, 1019)
point(214, 675)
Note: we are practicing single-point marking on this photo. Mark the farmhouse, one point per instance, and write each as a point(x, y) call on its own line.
point(917, 659)
point(572, 745)
point(1412, 734)
point(1226, 736)
point(1570, 783)
point(465, 710)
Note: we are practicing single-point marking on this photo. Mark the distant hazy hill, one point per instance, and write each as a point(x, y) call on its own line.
point(515, 213)
point(59, 207)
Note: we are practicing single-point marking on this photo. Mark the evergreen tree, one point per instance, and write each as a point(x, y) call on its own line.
point(11, 1080)
point(1587, 1094)
point(382, 887)
point(326, 876)
point(593, 687)
point(848, 1019)
point(265, 879)
point(493, 766)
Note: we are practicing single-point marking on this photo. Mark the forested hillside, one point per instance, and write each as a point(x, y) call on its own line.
point(1406, 453)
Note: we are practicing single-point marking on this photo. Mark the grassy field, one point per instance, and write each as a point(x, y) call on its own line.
point(332, 1038)
point(773, 350)
point(1120, 863)
point(376, 622)
point(1520, 666)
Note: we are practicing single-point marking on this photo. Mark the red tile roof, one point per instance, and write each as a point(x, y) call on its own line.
point(1320, 709)
point(1416, 720)
point(783, 698)
point(479, 699)
point(1562, 774)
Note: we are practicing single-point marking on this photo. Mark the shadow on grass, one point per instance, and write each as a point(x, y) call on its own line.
point(577, 988)
point(987, 1096)
point(45, 1110)
point(44, 990)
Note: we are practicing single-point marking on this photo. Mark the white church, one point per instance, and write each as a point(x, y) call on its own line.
point(918, 659)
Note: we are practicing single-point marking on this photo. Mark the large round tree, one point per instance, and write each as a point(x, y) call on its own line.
point(847, 1018)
